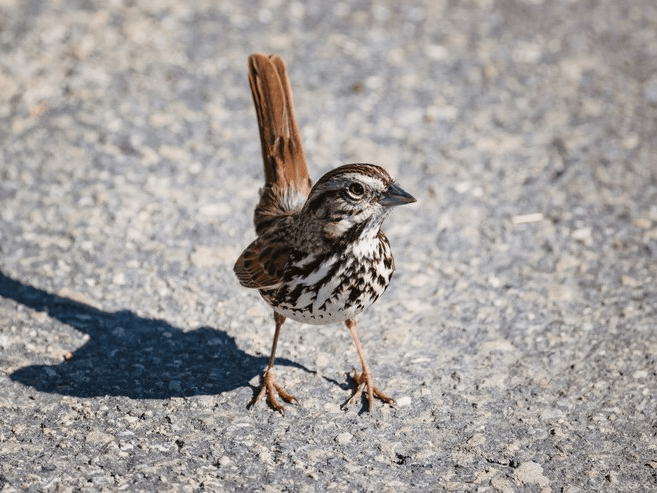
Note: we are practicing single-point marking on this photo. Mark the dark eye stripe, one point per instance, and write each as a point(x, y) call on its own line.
point(316, 202)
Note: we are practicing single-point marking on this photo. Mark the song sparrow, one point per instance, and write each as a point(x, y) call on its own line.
point(320, 256)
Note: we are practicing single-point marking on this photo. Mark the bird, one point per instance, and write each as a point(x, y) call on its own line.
point(319, 256)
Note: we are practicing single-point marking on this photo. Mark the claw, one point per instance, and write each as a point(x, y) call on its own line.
point(269, 387)
point(363, 381)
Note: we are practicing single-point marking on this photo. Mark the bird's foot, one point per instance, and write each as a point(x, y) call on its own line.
point(363, 381)
point(269, 387)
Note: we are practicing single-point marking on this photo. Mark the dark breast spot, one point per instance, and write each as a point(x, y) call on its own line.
point(354, 295)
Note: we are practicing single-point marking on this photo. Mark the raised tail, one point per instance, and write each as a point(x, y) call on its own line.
point(287, 182)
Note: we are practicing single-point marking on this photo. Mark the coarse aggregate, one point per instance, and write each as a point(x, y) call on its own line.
point(519, 334)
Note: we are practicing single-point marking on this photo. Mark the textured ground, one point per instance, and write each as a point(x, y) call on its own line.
point(519, 334)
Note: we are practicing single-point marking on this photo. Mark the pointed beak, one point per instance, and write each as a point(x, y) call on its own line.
point(396, 196)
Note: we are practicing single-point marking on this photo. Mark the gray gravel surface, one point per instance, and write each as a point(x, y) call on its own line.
point(518, 336)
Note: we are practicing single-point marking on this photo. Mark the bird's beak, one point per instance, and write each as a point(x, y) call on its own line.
point(394, 195)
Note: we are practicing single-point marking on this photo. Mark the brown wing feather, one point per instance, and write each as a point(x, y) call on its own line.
point(250, 271)
point(262, 264)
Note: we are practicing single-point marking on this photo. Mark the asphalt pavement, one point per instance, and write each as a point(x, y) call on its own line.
point(518, 336)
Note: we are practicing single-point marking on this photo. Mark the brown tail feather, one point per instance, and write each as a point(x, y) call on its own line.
point(287, 181)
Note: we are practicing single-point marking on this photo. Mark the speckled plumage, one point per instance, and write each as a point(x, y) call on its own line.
point(320, 256)
point(327, 261)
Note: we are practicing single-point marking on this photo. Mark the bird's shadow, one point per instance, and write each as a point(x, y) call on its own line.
point(127, 355)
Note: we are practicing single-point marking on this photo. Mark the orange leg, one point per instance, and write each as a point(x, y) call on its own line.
point(363, 380)
point(268, 383)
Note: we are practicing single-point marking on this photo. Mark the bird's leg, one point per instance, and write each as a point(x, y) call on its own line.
point(363, 380)
point(268, 383)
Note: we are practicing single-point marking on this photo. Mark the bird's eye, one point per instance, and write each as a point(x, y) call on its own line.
point(356, 190)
